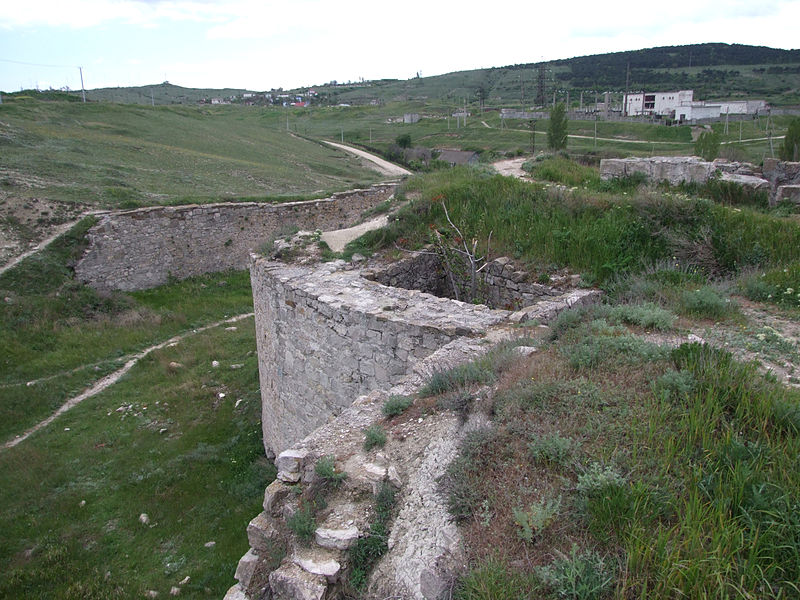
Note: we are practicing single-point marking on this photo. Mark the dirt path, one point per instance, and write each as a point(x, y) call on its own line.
point(338, 239)
point(112, 378)
point(512, 167)
point(58, 231)
point(384, 166)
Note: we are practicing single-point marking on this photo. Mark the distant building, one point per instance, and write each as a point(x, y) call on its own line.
point(660, 103)
point(411, 118)
point(681, 106)
point(458, 157)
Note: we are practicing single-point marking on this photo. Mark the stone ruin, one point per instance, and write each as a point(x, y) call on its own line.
point(333, 346)
point(780, 179)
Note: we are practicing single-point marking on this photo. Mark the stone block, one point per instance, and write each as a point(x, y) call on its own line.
point(788, 193)
point(262, 534)
point(290, 582)
point(246, 568)
point(290, 464)
point(749, 181)
point(336, 539)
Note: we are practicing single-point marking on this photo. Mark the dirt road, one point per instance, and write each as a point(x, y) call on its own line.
point(384, 166)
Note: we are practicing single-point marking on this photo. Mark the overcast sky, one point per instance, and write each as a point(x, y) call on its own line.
point(261, 45)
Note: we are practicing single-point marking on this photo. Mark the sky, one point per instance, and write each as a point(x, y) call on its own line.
point(261, 45)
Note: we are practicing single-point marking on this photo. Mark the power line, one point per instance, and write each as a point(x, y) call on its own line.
point(30, 64)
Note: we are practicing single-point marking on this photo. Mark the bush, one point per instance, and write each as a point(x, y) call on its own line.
point(552, 448)
point(537, 518)
point(374, 436)
point(580, 576)
point(790, 148)
point(706, 303)
point(675, 384)
point(325, 468)
point(396, 405)
point(707, 145)
point(596, 477)
point(302, 524)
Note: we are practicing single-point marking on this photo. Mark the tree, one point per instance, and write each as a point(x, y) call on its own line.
point(707, 145)
point(404, 141)
point(557, 129)
point(790, 149)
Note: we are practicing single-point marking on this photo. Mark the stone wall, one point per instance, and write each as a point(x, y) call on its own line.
point(784, 179)
point(327, 335)
point(500, 284)
point(138, 249)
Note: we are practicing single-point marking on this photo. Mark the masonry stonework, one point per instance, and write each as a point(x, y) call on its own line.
point(138, 249)
point(326, 335)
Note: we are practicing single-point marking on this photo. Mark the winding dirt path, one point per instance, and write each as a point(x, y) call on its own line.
point(339, 238)
point(58, 231)
point(384, 166)
point(112, 378)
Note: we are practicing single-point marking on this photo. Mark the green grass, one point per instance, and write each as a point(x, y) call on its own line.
point(600, 235)
point(57, 328)
point(125, 156)
point(199, 480)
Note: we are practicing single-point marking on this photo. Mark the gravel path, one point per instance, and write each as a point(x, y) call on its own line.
point(512, 167)
point(384, 166)
point(338, 239)
point(112, 378)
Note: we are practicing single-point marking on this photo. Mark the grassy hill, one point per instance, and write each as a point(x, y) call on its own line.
point(712, 70)
point(113, 155)
point(162, 93)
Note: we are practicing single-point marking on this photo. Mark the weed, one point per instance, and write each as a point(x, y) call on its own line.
point(463, 500)
point(647, 315)
point(596, 477)
point(325, 468)
point(537, 518)
point(552, 448)
point(374, 437)
point(579, 576)
point(302, 524)
point(707, 303)
point(480, 371)
point(368, 550)
point(396, 405)
point(675, 385)
point(495, 579)
point(611, 351)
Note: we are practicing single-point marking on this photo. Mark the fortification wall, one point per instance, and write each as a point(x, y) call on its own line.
point(499, 285)
point(138, 249)
point(327, 335)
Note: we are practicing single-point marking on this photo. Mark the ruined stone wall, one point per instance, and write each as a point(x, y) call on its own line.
point(784, 179)
point(327, 335)
point(500, 284)
point(138, 249)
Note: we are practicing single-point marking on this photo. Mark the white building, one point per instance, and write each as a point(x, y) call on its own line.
point(659, 103)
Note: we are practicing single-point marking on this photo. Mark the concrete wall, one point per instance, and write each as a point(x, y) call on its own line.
point(326, 336)
point(141, 248)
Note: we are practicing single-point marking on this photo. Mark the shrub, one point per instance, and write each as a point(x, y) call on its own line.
point(374, 436)
point(495, 579)
point(537, 518)
point(601, 349)
point(325, 468)
point(790, 148)
point(552, 448)
point(705, 302)
point(707, 145)
point(580, 576)
point(646, 315)
point(597, 477)
point(302, 524)
point(367, 550)
point(396, 405)
point(675, 384)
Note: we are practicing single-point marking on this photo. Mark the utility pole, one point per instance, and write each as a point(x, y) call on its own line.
point(740, 131)
point(343, 135)
point(152, 100)
point(83, 90)
point(532, 124)
point(595, 130)
point(581, 104)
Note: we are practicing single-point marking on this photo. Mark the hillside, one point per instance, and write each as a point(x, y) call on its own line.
point(712, 70)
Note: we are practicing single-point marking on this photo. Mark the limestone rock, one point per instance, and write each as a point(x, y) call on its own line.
point(318, 562)
point(788, 193)
point(336, 539)
point(290, 464)
point(246, 568)
point(756, 183)
point(274, 495)
point(290, 582)
point(235, 593)
point(262, 534)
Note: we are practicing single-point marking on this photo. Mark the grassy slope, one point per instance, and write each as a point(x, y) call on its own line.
point(112, 155)
point(200, 479)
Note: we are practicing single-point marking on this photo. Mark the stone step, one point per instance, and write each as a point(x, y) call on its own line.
point(319, 561)
point(291, 582)
point(342, 526)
